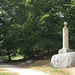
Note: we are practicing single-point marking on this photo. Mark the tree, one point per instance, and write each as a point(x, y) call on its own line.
point(35, 25)
point(6, 12)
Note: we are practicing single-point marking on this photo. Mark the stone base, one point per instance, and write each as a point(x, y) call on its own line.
point(64, 51)
point(63, 60)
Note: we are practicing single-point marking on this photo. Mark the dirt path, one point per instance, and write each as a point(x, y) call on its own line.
point(71, 71)
point(20, 71)
point(24, 71)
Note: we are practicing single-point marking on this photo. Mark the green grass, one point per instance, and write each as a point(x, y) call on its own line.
point(17, 57)
point(13, 57)
point(2, 69)
point(57, 71)
point(54, 69)
point(5, 72)
point(3, 57)
point(8, 74)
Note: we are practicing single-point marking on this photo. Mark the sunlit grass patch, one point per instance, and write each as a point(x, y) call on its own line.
point(8, 74)
point(2, 69)
point(17, 57)
point(4, 58)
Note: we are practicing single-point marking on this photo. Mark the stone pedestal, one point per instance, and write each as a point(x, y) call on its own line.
point(64, 51)
point(64, 60)
point(65, 47)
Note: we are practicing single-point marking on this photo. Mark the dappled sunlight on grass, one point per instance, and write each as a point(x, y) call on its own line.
point(17, 57)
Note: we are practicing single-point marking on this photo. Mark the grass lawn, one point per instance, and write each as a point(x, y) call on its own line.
point(17, 57)
point(8, 73)
point(2, 69)
point(5, 72)
point(13, 57)
point(3, 57)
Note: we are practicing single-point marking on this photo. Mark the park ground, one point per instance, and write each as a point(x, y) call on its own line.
point(41, 64)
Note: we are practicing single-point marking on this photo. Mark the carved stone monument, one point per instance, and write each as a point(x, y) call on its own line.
point(65, 47)
point(65, 58)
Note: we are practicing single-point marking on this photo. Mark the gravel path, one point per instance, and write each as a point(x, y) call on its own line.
point(20, 71)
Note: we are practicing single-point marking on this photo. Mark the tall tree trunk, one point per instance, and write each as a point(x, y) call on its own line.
point(48, 51)
point(9, 55)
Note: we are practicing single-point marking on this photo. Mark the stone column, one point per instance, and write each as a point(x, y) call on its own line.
point(65, 47)
point(65, 38)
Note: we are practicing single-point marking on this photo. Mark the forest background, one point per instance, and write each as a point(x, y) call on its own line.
point(29, 27)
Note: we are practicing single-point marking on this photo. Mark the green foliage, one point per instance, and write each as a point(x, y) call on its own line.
point(35, 25)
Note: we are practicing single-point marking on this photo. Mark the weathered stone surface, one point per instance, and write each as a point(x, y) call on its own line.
point(28, 62)
point(64, 60)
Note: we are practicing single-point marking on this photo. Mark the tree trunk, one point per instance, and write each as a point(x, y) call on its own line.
point(9, 56)
point(48, 51)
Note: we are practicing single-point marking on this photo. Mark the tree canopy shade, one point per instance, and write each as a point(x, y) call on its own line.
point(34, 26)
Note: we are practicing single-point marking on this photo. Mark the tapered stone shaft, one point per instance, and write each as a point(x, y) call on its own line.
point(65, 47)
point(65, 38)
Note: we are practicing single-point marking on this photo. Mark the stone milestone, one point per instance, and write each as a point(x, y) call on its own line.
point(65, 57)
point(65, 47)
point(63, 60)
